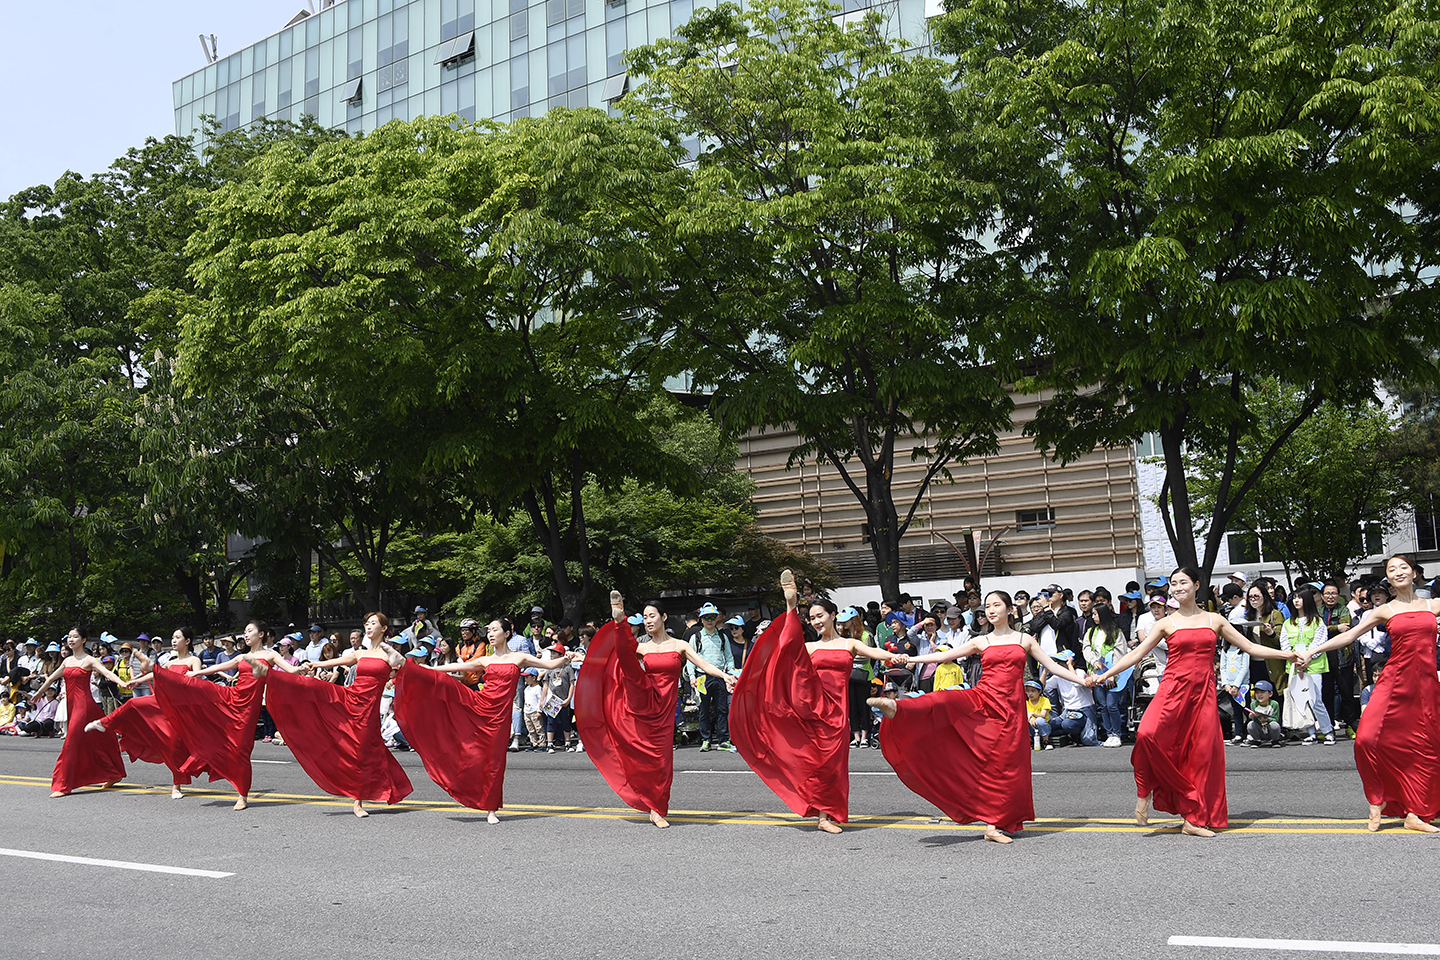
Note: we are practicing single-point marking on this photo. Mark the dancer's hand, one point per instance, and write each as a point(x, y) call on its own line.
point(900, 660)
point(730, 681)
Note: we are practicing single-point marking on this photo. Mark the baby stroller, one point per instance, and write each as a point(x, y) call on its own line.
point(1144, 684)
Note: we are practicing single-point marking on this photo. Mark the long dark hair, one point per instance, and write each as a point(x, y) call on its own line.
point(1267, 603)
point(1105, 621)
point(1302, 603)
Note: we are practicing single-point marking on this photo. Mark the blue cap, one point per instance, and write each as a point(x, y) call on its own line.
point(1265, 685)
point(420, 651)
point(296, 636)
point(53, 648)
point(1159, 582)
point(894, 615)
point(316, 628)
point(1034, 683)
point(1132, 595)
point(108, 638)
point(846, 614)
point(143, 636)
point(635, 619)
point(529, 672)
point(736, 621)
point(1064, 655)
point(709, 610)
point(1316, 584)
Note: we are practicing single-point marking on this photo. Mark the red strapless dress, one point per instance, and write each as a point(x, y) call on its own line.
point(334, 732)
point(84, 757)
point(625, 714)
point(147, 734)
point(1397, 745)
point(215, 724)
point(968, 751)
point(1179, 753)
point(788, 720)
point(460, 734)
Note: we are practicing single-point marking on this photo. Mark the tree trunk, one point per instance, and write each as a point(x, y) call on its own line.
point(884, 523)
point(189, 584)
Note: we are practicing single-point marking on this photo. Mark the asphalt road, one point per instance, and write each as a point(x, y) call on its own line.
point(569, 873)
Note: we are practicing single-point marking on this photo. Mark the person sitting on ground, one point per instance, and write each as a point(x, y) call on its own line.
point(1037, 709)
point(1264, 725)
point(1077, 719)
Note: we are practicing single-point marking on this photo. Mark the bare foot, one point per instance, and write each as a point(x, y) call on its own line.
point(360, 810)
point(787, 586)
point(658, 820)
point(59, 793)
point(1142, 811)
point(491, 818)
point(1375, 814)
point(617, 606)
point(1191, 830)
point(828, 825)
point(95, 726)
point(241, 804)
point(1413, 822)
point(884, 704)
point(111, 784)
point(176, 794)
point(992, 833)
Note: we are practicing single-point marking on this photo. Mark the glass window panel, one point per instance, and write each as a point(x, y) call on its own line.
point(369, 48)
point(272, 86)
point(383, 115)
point(554, 11)
point(520, 99)
point(575, 26)
point(400, 73)
point(355, 14)
point(635, 30)
point(385, 29)
point(222, 73)
point(577, 8)
point(467, 98)
point(372, 9)
point(484, 11)
point(311, 107)
point(519, 26)
point(518, 6)
point(432, 102)
point(287, 42)
point(247, 62)
point(382, 79)
point(312, 31)
point(577, 78)
point(449, 10)
point(387, 5)
point(450, 97)
point(680, 13)
point(177, 94)
point(500, 87)
point(282, 96)
point(425, 24)
point(659, 22)
point(555, 56)
point(575, 51)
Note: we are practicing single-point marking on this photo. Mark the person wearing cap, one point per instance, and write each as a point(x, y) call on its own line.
point(314, 648)
point(714, 648)
point(1264, 728)
point(739, 643)
point(471, 645)
point(559, 701)
point(421, 627)
point(1037, 711)
point(534, 695)
point(29, 657)
point(1079, 718)
point(1056, 626)
point(752, 621)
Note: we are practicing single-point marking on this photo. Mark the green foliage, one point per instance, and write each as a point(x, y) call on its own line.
point(820, 249)
point(1324, 481)
point(1196, 197)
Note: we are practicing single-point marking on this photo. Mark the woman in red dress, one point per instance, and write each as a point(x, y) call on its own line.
point(460, 733)
point(144, 732)
point(1397, 745)
point(789, 716)
point(968, 751)
point(85, 757)
point(334, 731)
point(216, 724)
point(625, 698)
point(1179, 755)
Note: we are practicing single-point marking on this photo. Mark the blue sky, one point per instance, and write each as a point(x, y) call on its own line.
point(87, 80)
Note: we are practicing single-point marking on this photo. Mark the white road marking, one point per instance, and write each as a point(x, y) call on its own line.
point(1314, 946)
point(117, 864)
point(272, 761)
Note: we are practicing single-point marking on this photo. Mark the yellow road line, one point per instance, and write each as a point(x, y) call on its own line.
point(1279, 825)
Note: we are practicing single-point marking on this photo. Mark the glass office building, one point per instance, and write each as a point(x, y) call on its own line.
point(359, 64)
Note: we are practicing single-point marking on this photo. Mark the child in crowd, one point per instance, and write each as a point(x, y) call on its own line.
point(1037, 709)
point(534, 716)
point(1264, 716)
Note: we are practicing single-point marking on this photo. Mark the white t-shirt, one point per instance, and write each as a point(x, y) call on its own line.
point(1073, 696)
point(533, 696)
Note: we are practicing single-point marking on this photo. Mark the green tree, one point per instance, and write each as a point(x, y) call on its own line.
point(820, 253)
point(1325, 481)
point(433, 302)
point(1195, 197)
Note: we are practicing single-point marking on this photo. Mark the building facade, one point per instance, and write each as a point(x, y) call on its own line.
point(358, 64)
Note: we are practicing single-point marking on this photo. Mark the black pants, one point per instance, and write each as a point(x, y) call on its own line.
point(860, 715)
point(41, 728)
point(715, 711)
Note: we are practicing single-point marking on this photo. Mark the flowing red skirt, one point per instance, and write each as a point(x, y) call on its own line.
point(334, 732)
point(968, 751)
point(625, 714)
point(1397, 745)
point(214, 724)
point(460, 734)
point(788, 720)
point(85, 758)
point(147, 734)
point(1179, 754)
